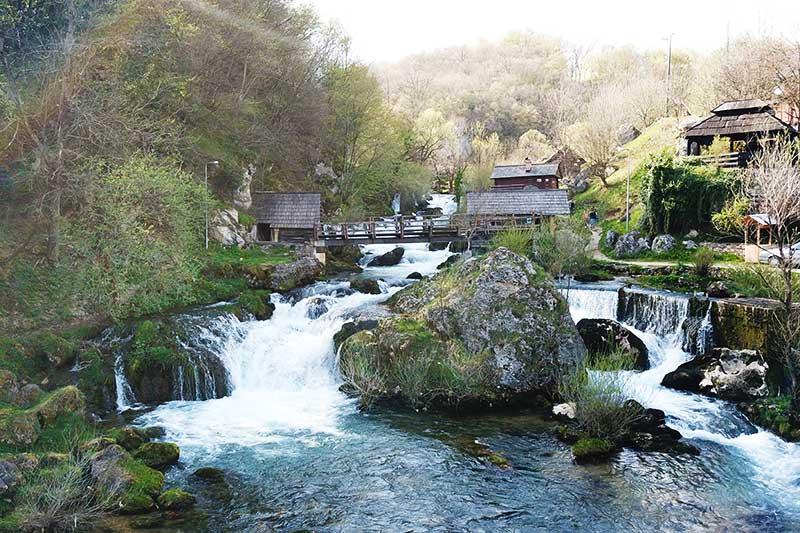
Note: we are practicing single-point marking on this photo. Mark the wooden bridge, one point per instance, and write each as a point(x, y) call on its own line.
point(398, 230)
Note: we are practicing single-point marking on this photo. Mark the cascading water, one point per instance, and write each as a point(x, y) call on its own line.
point(304, 458)
point(657, 318)
point(396, 203)
point(445, 202)
point(282, 371)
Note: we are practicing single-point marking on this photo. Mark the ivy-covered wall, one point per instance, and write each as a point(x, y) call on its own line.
point(681, 195)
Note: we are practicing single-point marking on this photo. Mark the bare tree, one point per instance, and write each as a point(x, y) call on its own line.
point(596, 137)
point(773, 185)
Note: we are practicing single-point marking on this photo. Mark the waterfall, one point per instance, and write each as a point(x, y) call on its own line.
point(705, 334)
point(396, 204)
point(445, 202)
point(658, 319)
point(591, 303)
point(283, 380)
point(658, 313)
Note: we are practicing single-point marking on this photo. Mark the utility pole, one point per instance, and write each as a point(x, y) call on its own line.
point(215, 163)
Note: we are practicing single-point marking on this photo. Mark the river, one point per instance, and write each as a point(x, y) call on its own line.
point(301, 456)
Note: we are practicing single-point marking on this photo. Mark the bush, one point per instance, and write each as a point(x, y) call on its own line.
point(63, 498)
point(758, 281)
point(680, 196)
point(730, 219)
point(562, 252)
point(516, 239)
point(602, 409)
point(702, 261)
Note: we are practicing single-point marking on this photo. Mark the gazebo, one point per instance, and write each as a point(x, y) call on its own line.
point(759, 221)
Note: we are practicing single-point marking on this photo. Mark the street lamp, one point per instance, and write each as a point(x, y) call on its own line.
point(215, 163)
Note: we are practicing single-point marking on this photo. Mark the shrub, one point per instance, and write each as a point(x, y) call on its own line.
point(730, 219)
point(759, 281)
point(562, 252)
point(602, 409)
point(516, 239)
point(679, 196)
point(702, 261)
point(63, 498)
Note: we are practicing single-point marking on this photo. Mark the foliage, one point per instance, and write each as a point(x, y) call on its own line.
point(703, 259)
point(562, 251)
point(718, 146)
point(757, 281)
point(777, 414)
point(730, 219)
point(680, 196)
point(63, 497)
point(152, 346)
point(602, 409)
point(517, 239)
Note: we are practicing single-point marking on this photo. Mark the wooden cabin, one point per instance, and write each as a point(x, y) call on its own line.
point(286, 216)
point(746, 124)
point(527, 175)
point(518, 204)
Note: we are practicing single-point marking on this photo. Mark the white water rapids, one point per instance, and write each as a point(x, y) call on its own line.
point(776, 463)
point(282, 372)
point(285, 394)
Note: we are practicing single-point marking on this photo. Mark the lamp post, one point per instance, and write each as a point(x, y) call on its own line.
point(206, 199)
point(669, 71)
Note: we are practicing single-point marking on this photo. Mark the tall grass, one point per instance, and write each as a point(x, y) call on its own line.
point(602, 406)
point(517, 239)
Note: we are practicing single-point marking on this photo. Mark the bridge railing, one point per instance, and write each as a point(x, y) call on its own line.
point(425, 227)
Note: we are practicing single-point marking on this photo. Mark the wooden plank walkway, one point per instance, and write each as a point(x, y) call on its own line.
point(398, 230)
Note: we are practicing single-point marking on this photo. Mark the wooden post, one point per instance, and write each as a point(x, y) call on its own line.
point(344, 231)
point(372, 229)
point(402, 227)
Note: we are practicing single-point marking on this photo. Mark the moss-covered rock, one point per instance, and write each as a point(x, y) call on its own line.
point(96, 378)
point(491, 331)
point(19, 428)
point(257, 303)
point(365, 285)
point(592, 450)
point(209, 474)
point(128, 437)
point(9, 387)
point(775, 414)
point(152, 361)
point(65, 401)
point(176, 500)
point(158, 455)
point(57, 350)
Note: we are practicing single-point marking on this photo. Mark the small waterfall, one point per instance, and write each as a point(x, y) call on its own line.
point(125, 397)
point(445, 202)
point(705, 334)
point(591, 303)
point(658, 313)
point(396, 204)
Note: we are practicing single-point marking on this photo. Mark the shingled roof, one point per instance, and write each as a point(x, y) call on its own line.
point(294, 210)
point(739, 117)
point(518, 171)
point(525, 202)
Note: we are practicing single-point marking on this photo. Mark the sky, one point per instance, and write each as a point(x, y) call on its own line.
point(388, 30)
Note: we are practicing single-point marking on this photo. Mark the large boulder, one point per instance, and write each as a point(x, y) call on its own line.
point(611, 238)
point(649, 433)
point(351, 328)
point(9, 478)
point(489, 331)
point(342, 259)
point(365, 285)
point(737, 375)
point(390, 258)
point(65, 401)
point(663, 244)
point(303, 271)
point(630, 245)
point(226, 230)
point(158, 455)
point(602, 336)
